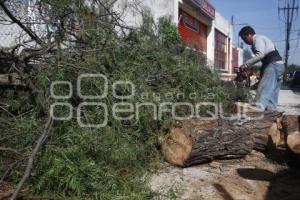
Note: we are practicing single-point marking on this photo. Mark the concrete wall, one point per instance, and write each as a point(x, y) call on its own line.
point(12, 34)
point(9, 35)
point(211, 45)
point(241, 56)
point(131, 10)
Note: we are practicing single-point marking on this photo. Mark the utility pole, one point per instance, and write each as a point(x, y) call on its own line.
point(289, 12)
point(232, 23)
point(239, 45)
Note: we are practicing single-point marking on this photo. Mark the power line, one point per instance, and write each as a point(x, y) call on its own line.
point(242, 23)
point(268, 28)
point(277, 41)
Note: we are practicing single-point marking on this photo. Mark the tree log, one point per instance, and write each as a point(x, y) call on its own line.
point(264, 132)
point(11, 80)
point(291, 130)
point(196, 141)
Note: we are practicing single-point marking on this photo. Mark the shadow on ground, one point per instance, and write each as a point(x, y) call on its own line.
point(285, 184)
point(282, 185)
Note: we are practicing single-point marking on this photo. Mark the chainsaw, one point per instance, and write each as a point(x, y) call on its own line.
point(242, 77)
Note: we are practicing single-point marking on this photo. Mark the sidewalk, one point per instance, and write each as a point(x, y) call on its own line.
point(289, 100)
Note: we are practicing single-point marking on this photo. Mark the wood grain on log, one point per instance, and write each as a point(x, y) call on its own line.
point(260, 129)
point(291, 129)
point(196, 141)
point(293, 141)
point(11, 80)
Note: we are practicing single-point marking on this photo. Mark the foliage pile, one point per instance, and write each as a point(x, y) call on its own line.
point(108, 162)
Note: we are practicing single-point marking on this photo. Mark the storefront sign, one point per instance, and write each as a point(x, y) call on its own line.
point(206, 7)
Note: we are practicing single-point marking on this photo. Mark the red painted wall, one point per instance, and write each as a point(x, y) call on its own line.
point(193, 33)
point(235, 58)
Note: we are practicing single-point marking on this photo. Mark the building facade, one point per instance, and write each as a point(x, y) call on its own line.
point(200, 25)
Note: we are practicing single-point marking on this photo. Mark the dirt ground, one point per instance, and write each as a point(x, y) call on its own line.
point(256, 177)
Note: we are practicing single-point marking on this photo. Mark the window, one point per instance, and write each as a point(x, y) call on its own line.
point(220, 50)
point(190, 22)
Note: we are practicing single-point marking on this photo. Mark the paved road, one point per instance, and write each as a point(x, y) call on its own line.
point(289, 100)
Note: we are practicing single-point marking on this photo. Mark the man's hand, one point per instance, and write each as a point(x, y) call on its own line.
point(244, 66)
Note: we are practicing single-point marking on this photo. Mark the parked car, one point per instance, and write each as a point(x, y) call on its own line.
point(296, 79)
point(290, 77)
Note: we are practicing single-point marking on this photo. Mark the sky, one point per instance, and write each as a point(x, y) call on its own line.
point(263, 16)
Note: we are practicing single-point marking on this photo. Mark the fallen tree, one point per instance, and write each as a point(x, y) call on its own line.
point(86, 42)
point(12, 79)
point(197, 141)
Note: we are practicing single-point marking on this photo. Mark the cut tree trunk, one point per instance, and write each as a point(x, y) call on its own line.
point(291, 130)
point(264, 132)
point(196, 141)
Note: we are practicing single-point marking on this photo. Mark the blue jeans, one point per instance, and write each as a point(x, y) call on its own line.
point(269, 87)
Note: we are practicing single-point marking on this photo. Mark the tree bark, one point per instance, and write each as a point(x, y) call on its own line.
point(11, 80)
point(291, 130)
point(196, 141)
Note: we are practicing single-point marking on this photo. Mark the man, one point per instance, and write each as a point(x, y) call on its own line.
point(272, 68)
